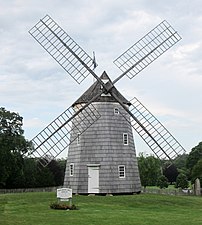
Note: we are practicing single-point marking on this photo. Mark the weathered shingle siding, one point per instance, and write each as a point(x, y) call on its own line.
point(103, 144)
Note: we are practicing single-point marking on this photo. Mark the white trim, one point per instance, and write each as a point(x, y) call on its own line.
point(105, 80)
point(71, 169)
point(125, 138)
point(116, 111)
point(101, 87)
point(78, 139)
point(93, 165)
point(105, 95)
point(122, 173)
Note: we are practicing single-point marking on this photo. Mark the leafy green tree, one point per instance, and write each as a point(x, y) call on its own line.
point(30, 173)
point(180, 161)
point(57, 169)
point(39, 176)
point(162, 182)
point(12, 146)
point(149, 169)
point(16, 178)
point(44, 177)
point(194, 156)
point(171, 172)
point(197, 171)
point(181, 164)
point(182, 181)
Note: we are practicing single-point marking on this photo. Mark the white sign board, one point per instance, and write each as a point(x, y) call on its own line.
point(64, 194)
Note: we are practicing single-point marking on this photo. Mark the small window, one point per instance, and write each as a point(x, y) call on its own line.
point(104, 81)
point(78, 139)
point(116, 111)
point(125, 138)
point(71, 169)
point(121, 171)
point(105, 95)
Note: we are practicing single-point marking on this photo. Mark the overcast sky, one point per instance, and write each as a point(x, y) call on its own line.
point(34, 85)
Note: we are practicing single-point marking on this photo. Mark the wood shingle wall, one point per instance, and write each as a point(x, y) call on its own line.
point(102, 146)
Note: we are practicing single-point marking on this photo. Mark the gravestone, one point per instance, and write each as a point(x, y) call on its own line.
point(197, 187)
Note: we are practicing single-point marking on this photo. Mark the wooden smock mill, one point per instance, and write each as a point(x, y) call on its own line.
point(97, 128)
point(103, 159)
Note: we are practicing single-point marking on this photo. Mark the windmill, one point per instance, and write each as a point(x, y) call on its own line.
point(98, 126)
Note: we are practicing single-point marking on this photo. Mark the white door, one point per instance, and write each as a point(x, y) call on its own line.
point(93, 179)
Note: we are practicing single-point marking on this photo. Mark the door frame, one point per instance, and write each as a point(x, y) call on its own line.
point(93, 189)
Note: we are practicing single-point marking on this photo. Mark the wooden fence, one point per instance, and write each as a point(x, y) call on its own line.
point(168, 191)
point(144, 190)
point(21, 190)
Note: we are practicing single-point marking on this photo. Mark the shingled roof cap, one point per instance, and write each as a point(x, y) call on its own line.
point(96, 88)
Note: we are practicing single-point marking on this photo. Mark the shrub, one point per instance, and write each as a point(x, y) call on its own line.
point(162, 182)
point(62, 206)
point(182, 181)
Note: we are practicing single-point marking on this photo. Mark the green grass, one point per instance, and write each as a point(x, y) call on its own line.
point(33, 209)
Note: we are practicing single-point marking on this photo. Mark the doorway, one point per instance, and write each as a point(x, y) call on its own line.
point(93, 178)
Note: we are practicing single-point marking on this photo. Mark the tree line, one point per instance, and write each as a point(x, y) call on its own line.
point(184, 169)
point(17, 171)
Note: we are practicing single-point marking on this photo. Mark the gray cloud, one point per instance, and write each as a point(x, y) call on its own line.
point(35, 86)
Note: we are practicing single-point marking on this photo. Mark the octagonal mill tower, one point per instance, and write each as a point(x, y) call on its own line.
point(103, 158)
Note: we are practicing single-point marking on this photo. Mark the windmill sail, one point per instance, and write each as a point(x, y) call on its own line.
point(55, 138)
point(100, 151)
point(156, 136)
point(147, 49)
point(74, 60)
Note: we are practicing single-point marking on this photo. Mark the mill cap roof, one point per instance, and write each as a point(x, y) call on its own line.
point(96, 88)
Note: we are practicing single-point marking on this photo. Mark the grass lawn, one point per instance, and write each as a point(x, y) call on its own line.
point(147, 209)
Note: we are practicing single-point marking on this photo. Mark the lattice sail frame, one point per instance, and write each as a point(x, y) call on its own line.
point(62, 48)
point(55, 138)
point(147, 49)
point(77, 64)
point(156, 136)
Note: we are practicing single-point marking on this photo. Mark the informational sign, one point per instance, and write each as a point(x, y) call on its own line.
point(64, 194)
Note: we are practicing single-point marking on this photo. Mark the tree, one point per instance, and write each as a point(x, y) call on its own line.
point(38, 176)
point(57, 168)
point(194, 156)
point(171, 172)
point(12, 146)
point(149, 169)
point(180, 163)
point(182, 181)
point(197, 171)
point(162, 182)
point(16, 178)
point(30, 173)
point(44, 177)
